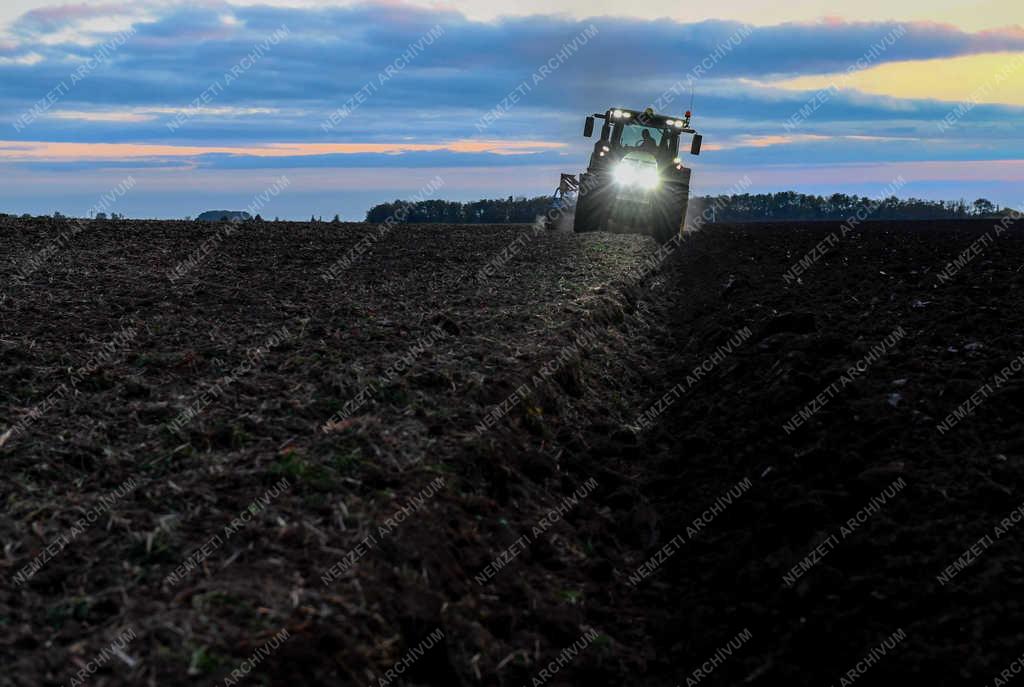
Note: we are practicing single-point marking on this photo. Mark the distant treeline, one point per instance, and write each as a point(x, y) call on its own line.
point(788, 205)
point(510, 210)
point(747, 207)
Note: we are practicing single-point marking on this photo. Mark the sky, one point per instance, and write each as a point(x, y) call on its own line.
point(162, 108)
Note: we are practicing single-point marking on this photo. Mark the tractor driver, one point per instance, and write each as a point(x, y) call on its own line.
point(647, 145)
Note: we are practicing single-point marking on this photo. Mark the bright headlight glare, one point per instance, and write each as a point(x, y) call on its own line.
point(631, 175)
point(679, 125)
point(648, 179)
point(617, 113)
point(671, 122)
point(625, 174)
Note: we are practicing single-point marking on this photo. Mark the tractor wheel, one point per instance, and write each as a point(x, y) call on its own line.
point(591, 207)
point(669, 213)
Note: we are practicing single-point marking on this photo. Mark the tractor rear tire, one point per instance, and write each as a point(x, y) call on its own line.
point(669, 212)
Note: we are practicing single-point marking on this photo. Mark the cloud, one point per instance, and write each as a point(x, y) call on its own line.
point(149, 114)
point(25, 60)
point(52, 19)
point(767, 141)
point(333, 52)
point(102, 116)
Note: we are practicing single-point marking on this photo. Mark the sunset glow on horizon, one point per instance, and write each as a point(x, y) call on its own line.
point(71, 152)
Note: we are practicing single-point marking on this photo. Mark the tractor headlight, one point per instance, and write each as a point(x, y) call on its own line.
point(679, 125)
point(648, 179)
point(670, 122)
point(617, 114)
point(645, 178)
point(625, 175)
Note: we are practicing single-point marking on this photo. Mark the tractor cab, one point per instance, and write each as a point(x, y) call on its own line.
point(629, 134)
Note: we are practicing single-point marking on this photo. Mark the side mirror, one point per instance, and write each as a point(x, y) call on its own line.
point(695, 146)
point(588, 127)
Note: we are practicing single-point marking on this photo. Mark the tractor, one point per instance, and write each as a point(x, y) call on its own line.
point(636, 181)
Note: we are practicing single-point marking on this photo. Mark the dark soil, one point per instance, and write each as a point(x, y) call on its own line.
point(564, 346)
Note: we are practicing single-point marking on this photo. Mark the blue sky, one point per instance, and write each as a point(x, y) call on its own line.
point(205, 104)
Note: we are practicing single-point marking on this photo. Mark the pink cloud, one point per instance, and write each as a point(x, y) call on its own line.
point(1011, 35)
point(34, 151)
